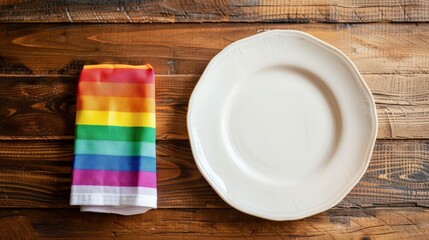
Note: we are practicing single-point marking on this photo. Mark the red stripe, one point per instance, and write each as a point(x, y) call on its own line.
point(114, 178)
point(121, 75)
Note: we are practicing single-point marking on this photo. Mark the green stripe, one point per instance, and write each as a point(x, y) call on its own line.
point(115, 148)
point(116, 133)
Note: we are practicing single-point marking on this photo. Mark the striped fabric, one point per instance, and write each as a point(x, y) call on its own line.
point(114, 167)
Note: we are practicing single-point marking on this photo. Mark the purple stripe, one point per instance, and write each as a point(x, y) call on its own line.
point(114, 178)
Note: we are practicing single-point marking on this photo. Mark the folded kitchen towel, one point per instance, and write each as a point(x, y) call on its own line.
point(114, 168)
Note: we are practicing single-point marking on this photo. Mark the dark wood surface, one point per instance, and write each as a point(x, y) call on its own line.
point(195, 224)
point(54, 54)
point(185, 49)
point(149, 11)
point(36, 174)
point(44, 44)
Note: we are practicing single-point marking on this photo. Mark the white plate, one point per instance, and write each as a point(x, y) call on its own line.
point(282, 125)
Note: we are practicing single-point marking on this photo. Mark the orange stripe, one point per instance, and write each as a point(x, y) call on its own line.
point(116, 104)
point(146, 90)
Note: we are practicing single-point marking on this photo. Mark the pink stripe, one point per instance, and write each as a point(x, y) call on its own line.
point(114, 178)
point(120, 75)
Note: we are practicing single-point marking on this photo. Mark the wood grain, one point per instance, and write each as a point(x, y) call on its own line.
point(36, 174)
point(396, 223)
point(292, 11)
point(44, 107)
point(50, 49)
point(402, 104)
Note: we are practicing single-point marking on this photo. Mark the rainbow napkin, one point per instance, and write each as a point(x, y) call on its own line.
point(114, 167)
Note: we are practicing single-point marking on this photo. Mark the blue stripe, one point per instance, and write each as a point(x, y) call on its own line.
point(114, 163)
point(116, 148)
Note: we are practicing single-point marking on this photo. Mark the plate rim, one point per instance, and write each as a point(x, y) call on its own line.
point(358, 77)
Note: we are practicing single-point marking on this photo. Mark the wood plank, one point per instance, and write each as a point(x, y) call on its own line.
point(402, 105)
point(291, 11)
point(50, 49)
point(391, 223)
point(36, 174)
point(44, 107)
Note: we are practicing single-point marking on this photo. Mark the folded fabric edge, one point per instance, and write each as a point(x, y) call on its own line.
point(116, 210)
point(113, 200)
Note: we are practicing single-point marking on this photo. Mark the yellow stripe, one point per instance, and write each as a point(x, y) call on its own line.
point(108, 118)
point(116, 104)
point(146, 66)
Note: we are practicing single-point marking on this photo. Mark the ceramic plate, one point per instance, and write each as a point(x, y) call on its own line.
point(282, 125)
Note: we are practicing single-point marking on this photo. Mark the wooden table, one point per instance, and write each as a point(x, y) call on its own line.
point(43, 46)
